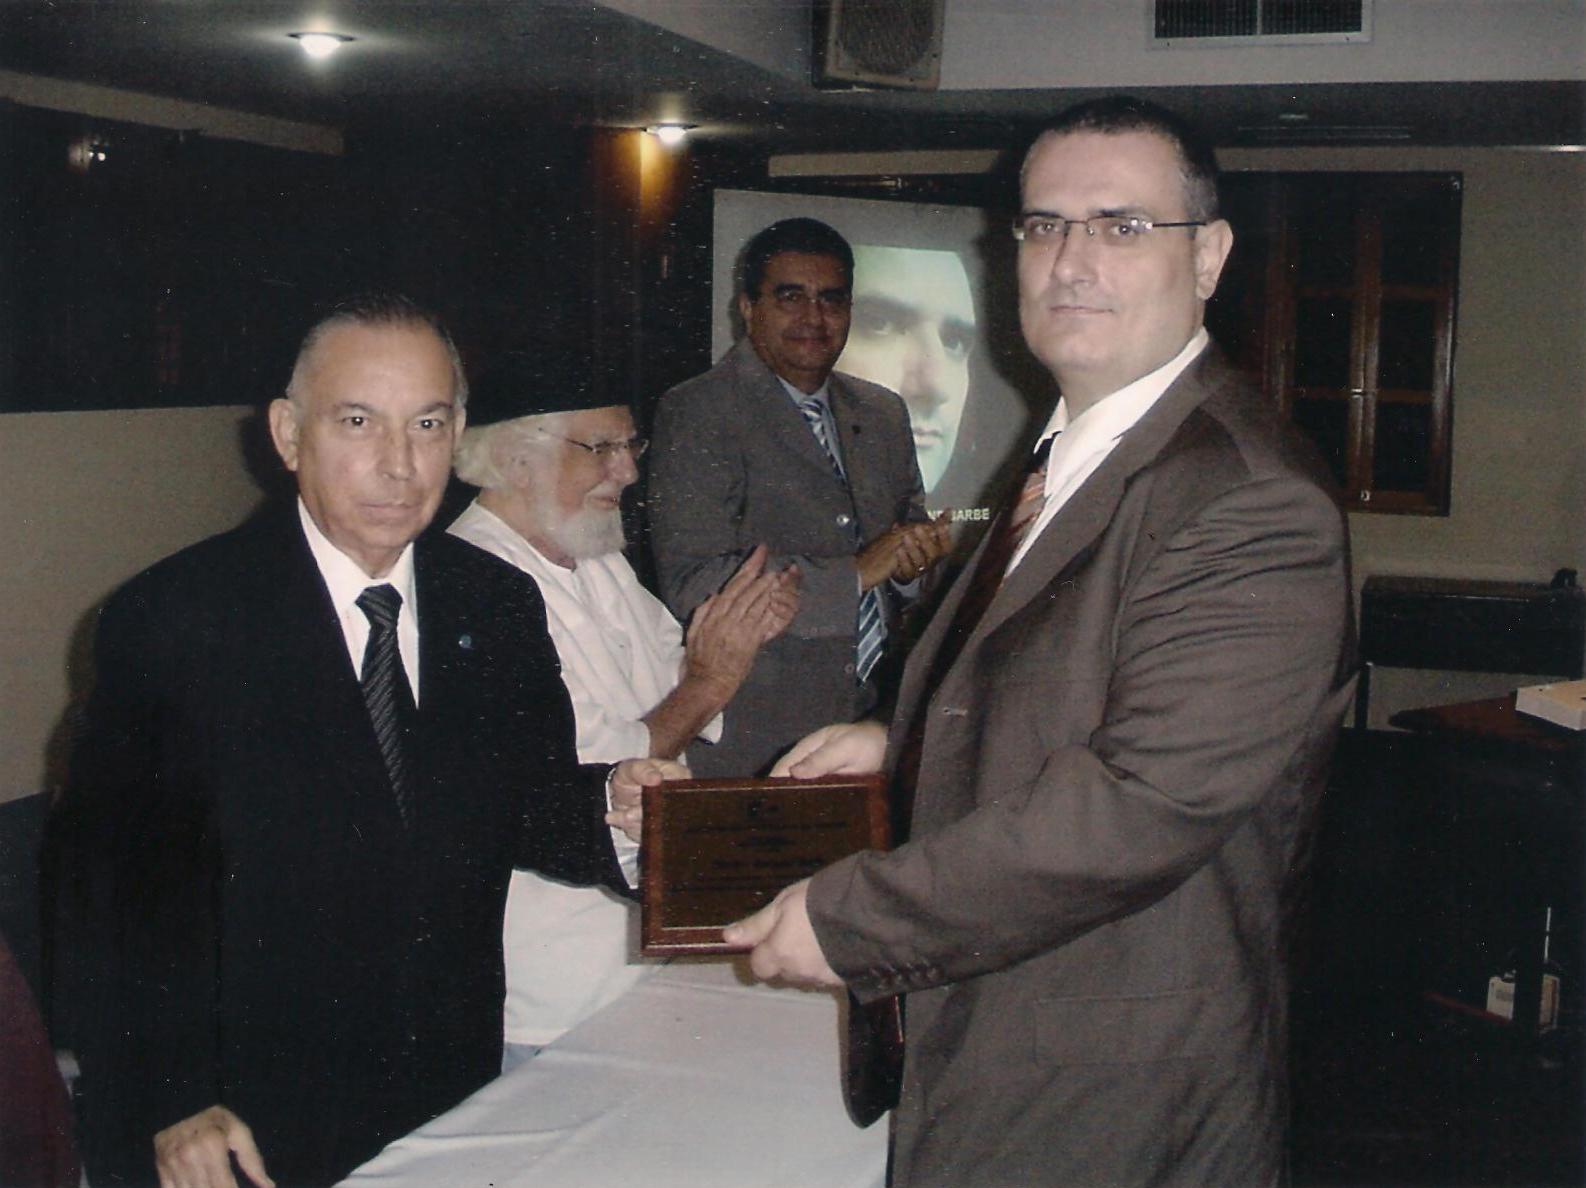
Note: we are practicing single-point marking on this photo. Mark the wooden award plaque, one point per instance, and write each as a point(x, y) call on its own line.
point(717, 850)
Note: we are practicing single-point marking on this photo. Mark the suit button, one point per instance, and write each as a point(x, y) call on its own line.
point(844, 519)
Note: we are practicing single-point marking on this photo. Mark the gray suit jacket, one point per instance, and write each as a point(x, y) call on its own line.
point(735, 465)
point(1119, 775)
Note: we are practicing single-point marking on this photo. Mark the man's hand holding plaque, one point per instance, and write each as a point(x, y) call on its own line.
point(625, 791)
point(847, 748)
point(783, 946)
point(781, 942)
point(716, 851)
point(779, 936)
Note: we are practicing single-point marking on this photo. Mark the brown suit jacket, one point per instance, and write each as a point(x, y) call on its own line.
point(1119, 773)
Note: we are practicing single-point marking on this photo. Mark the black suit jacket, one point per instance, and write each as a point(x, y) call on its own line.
point(251, 922)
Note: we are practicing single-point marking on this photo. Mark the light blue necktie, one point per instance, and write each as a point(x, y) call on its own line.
point(871, 629)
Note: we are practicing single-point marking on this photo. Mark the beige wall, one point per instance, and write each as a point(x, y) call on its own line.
point(90, 499)
point(1106, 43)
point(1518, 503)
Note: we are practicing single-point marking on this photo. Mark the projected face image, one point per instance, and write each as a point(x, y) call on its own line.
point(913, 330)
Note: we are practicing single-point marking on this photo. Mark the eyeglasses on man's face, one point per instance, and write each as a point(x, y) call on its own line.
point(797, 299)
point(1039, 229)
point(604, 451)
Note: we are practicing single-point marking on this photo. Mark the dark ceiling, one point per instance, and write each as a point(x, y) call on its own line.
point(432, 63)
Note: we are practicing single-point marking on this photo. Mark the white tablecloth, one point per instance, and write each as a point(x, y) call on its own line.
point(691, 1079)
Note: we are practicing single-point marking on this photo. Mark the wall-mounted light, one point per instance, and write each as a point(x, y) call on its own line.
point(670, 134)
point(320, 45)
point(87, 151)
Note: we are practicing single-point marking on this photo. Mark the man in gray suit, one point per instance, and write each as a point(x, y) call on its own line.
point(1120, 720)
point(772, 447)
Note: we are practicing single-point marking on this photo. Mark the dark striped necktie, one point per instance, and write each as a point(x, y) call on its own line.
point(386, 690)
point(870, 629)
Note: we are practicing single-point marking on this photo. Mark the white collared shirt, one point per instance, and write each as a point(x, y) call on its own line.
point(824, 395)
point(346, 581)
point(1084, 444)
point(567, 952)
point(621, 650)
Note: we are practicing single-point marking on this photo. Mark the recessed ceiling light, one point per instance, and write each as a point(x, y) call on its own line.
point(670, 134)
point(320, 45)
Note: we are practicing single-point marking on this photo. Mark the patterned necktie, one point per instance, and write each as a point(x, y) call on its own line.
point(386, 690)
point(1032, 498)
point(815, 417)
point(870, 627)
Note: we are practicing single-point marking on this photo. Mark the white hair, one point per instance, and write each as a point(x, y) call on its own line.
point(481, 460)
point(483, 452)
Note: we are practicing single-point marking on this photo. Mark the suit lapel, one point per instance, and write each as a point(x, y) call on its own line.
point(915, 687)
point(318, 686)
point(453, 642)
point(786, 428)
point(1089, 511)
point(444, 644)
point(867, 483)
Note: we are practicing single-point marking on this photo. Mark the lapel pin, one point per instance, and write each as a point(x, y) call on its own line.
point(465, 642)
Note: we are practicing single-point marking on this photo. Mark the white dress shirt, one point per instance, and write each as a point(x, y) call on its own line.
point(567, 948)
point(346, 581)
point(1084, 444)
point(822, 396)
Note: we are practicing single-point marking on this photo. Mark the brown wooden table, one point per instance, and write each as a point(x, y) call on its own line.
point(1492, 720)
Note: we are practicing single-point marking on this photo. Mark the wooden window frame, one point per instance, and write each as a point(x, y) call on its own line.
point(1274, 340)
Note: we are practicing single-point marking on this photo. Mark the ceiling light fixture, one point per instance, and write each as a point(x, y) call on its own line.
point(670, 134)
point(320, 45)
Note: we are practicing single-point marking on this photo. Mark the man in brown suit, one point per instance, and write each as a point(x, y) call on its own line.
point(1122, 713)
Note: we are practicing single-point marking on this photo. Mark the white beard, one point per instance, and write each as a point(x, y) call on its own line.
point(592, 532)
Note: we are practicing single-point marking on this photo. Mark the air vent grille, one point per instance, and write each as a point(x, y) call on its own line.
point(882, 42)
point(887, 38)
point(1263, 20)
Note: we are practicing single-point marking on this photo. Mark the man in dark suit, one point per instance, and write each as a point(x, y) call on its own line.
point(772, 447)
point(1120, 720)
point(316, 749)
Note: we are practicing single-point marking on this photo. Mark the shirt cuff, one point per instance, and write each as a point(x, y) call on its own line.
point(626, 848)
